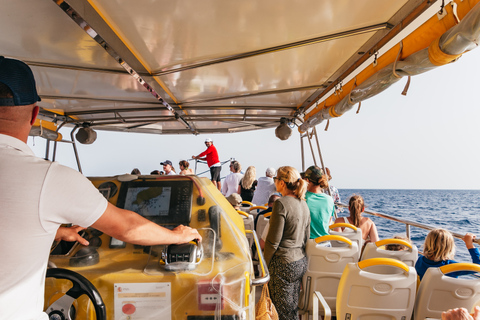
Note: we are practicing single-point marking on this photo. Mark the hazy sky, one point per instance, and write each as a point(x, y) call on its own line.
point(425, 140)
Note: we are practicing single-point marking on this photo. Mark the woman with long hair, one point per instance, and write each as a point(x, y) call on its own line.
point(356, 206)
point(247, 185)
point(285, 243)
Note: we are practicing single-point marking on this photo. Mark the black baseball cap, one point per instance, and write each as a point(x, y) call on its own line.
point(166, 162)
point(18, 77)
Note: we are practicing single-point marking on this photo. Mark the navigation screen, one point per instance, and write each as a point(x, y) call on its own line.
point(149, 202)
point(167, 203)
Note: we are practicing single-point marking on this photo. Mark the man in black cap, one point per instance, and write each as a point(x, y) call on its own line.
point(37, 196)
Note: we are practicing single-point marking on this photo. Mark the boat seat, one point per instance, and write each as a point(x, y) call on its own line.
point(438, 292)
point(262, 221)
point(324, 270)
point(363, 294)
point(376, 250)
point(249, 225)
point(353, 233)
point(255, 210)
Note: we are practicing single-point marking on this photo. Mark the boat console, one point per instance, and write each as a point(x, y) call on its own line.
point(188, 281)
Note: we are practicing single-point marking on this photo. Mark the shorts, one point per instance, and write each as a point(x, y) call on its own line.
point(215, 172)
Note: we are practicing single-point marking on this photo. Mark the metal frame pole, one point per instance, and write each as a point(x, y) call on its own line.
point(75, 148)
point(303, 155)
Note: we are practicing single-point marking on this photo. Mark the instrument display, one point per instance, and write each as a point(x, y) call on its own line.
point(165, 202)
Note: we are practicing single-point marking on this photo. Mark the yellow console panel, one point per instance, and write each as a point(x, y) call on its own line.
point(193, 281)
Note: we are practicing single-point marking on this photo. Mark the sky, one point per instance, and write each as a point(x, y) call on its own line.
point(425, 140)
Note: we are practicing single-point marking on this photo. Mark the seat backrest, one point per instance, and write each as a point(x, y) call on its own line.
point(249, 225)
point(262, 221)
point(351, 232)
point(376, 250)
point(363, 294)
point(438, 292)
point(254, 211)
point(325, 267)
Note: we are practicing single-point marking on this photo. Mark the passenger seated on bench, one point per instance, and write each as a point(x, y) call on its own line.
point(461, 314)
point(235, 200)
point(356, 206)
point(439, 250)
point(397, 247)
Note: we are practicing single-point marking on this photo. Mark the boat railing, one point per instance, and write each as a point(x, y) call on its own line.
point(222, 163)
point(406, 222)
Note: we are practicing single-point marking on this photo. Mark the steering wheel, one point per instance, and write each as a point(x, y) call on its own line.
point(60, 309)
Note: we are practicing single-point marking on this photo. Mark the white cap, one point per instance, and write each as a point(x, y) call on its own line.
point(270, 172)
point(208, 140)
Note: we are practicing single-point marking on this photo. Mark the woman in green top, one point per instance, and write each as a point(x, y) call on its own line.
point(285, 244)
point(321, 205)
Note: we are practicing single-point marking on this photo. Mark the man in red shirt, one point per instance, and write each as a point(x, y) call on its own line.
point(213, 162)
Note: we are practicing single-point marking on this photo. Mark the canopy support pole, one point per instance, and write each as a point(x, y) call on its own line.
point(75, 149)
point(310, 136)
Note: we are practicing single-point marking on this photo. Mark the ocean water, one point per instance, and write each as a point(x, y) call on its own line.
point(454, 210)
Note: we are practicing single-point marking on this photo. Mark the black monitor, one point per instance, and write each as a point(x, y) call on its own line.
point(165, 202)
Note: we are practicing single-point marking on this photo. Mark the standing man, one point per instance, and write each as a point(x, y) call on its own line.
point(37, 196)
point(265, 188)
point(213, 162)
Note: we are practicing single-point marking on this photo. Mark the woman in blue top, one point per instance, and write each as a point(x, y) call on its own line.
point(439, 250)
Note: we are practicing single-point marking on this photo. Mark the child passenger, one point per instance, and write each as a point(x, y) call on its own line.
point(398, 247)
point(439, 250)
point(356, 206)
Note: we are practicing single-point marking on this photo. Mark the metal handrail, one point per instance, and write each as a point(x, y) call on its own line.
point(407, 222)
point(205, 162)
point(263, 265)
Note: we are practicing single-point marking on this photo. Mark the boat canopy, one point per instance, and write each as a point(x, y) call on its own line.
point(215, 66)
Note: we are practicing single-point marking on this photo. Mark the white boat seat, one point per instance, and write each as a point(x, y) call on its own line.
point(262, 221)
point(376, 250)
point(324, 270)
point(351, 232)
point(438, 292)
point(255, 210)
point(366, 295)
point(249, 225)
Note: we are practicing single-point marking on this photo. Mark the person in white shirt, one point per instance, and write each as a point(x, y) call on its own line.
point(168, 167)
point(230, 185)
point(37, 196)
point(265, 188)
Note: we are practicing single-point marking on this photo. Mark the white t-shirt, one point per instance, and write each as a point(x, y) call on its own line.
point(36, 197)
point(230, 184)
point(265, 188)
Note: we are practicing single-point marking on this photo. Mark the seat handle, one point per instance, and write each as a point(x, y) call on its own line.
point(333, 238)
point(462, 266)
point(383, 262)
point(342, 225)
point(393, 241)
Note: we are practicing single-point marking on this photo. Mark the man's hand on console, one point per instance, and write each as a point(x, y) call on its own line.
point(187, 234)
point(71, 234)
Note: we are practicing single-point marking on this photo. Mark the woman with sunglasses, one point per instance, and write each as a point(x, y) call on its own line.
point(285, 243)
